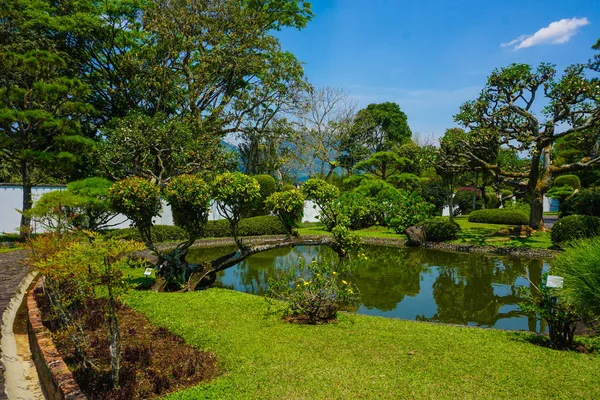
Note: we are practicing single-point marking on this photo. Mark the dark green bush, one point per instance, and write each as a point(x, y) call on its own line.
point(434, 192)
point(256, 226)
point(287, 187)
point(439, 230)
point(575, 227)
point(463, 199)
point(567, 180)
point(499, 216)
point(268, 186)
point(491, 200)
point(585, 202)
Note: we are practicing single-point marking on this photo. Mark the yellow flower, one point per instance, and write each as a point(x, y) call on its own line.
point(306, 283)
point(344, 282)
point(350, 291)
point(335, 273)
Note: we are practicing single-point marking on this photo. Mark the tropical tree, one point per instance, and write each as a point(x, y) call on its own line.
point(378, 127)
point(505, 115)
point(41, 108)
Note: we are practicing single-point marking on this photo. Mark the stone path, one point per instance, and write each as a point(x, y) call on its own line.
point(12, 273)
point(550, 220)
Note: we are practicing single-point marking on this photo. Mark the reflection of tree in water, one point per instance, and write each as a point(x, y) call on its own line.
point(464, 292)
point(388, 276)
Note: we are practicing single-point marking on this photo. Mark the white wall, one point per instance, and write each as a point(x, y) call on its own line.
point(11, 199)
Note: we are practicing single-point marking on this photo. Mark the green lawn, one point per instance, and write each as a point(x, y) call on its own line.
point(471, 233)
point(262, 357)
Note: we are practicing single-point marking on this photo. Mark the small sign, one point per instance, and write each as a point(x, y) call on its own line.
point(148, 271)
point(555, 281)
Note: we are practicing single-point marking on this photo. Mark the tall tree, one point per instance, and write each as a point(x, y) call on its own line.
point(324, 123)
point(505, 115)
point(40, 114)
point(378, 127)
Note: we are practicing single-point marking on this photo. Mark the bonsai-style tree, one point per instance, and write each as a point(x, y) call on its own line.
point(383, 164)
point(84, 205)
point(235, 193)
point(325, 196)
point(505, 115)
point(289, 208)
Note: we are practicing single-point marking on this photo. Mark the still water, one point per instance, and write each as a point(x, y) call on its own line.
point(408, 283)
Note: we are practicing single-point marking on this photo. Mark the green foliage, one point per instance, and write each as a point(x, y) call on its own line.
point(383, 164)
point(560, 192)
point(567, 180)
point(463, 199)
point(440, 230)
point(408, 209)
point(499, 216)
point(287, 186)
point(353, 181)
point(434, 192)
point(158, 233)
point(584, 202)
point(405, 181)
point(491, 200)
point(235, 193)
point(348, 241)
point(575, 227)
point(139, 200)
point(579, 265)
point(288, 207)
point(84, 205)
point(376, 128)
point(313, 292)
point(189, 197)
point(268, 186)
point(359, 209)
point(325, 196)
point(560, 317)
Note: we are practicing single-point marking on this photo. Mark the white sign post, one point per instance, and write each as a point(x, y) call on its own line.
point(148, 271)
point(555, 282)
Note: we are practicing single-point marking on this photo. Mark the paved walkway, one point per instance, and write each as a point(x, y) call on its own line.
point(550, 220)
point(12, 273)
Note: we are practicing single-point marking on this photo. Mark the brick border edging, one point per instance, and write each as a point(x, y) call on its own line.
point(55, 377)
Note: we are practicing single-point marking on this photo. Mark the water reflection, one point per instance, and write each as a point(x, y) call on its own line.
point(410, 283)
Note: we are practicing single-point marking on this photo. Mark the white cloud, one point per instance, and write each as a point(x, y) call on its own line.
point(557, 32)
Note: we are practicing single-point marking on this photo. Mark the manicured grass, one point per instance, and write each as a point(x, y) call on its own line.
point(471, 233)
point(262, 357)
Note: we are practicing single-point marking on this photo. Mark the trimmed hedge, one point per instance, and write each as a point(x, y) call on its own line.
point(575, 227)
point(256, 226)
point(567, 180)
point(438, 230)
point(499, 216)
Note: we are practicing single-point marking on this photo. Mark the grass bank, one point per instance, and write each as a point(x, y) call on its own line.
point(262, 357)
point(472, 233)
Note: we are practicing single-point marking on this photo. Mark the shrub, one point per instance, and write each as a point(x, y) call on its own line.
point(189, 198)
point(559, 315)
point(575, 227)
point(491, 200)
point(519, 205)
point(434, 192)
point(408, 209)
point(287, 187)
point(405, 181)
point(579, 265)
point(499, 216)
point(359, 209)
point(439, 230)
point(313, 292)
point(325, 196)
point(288, 207)
point(255, 226)
point(346, 239)
point(567, 180)
point(139, 200)
point(585, 202)
point(268, 186)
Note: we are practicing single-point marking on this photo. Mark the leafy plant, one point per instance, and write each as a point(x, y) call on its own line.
point(439, 230)
point(559, 315)
point(235, 193)
point(579, 265)
point(139, 200)
point(575, 227)
point(408, 209)
point(313, 292)
point(325, 196)
point(288, 207)
point(584, 202)
point(359, 209)
point(347, 240)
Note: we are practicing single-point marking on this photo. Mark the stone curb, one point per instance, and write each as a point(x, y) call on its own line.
point(56, 379)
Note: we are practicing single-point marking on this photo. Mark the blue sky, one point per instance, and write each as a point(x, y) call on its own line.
point(431, 56)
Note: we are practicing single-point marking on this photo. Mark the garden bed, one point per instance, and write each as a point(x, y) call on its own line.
point(154, 361)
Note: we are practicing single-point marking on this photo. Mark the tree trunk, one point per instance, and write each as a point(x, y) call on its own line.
point(25, 226)
point(536, 215)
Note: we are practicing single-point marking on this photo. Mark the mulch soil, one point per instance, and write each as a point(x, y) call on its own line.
point(154, 361)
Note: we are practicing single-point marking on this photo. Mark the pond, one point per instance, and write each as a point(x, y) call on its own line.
point(409, 283)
